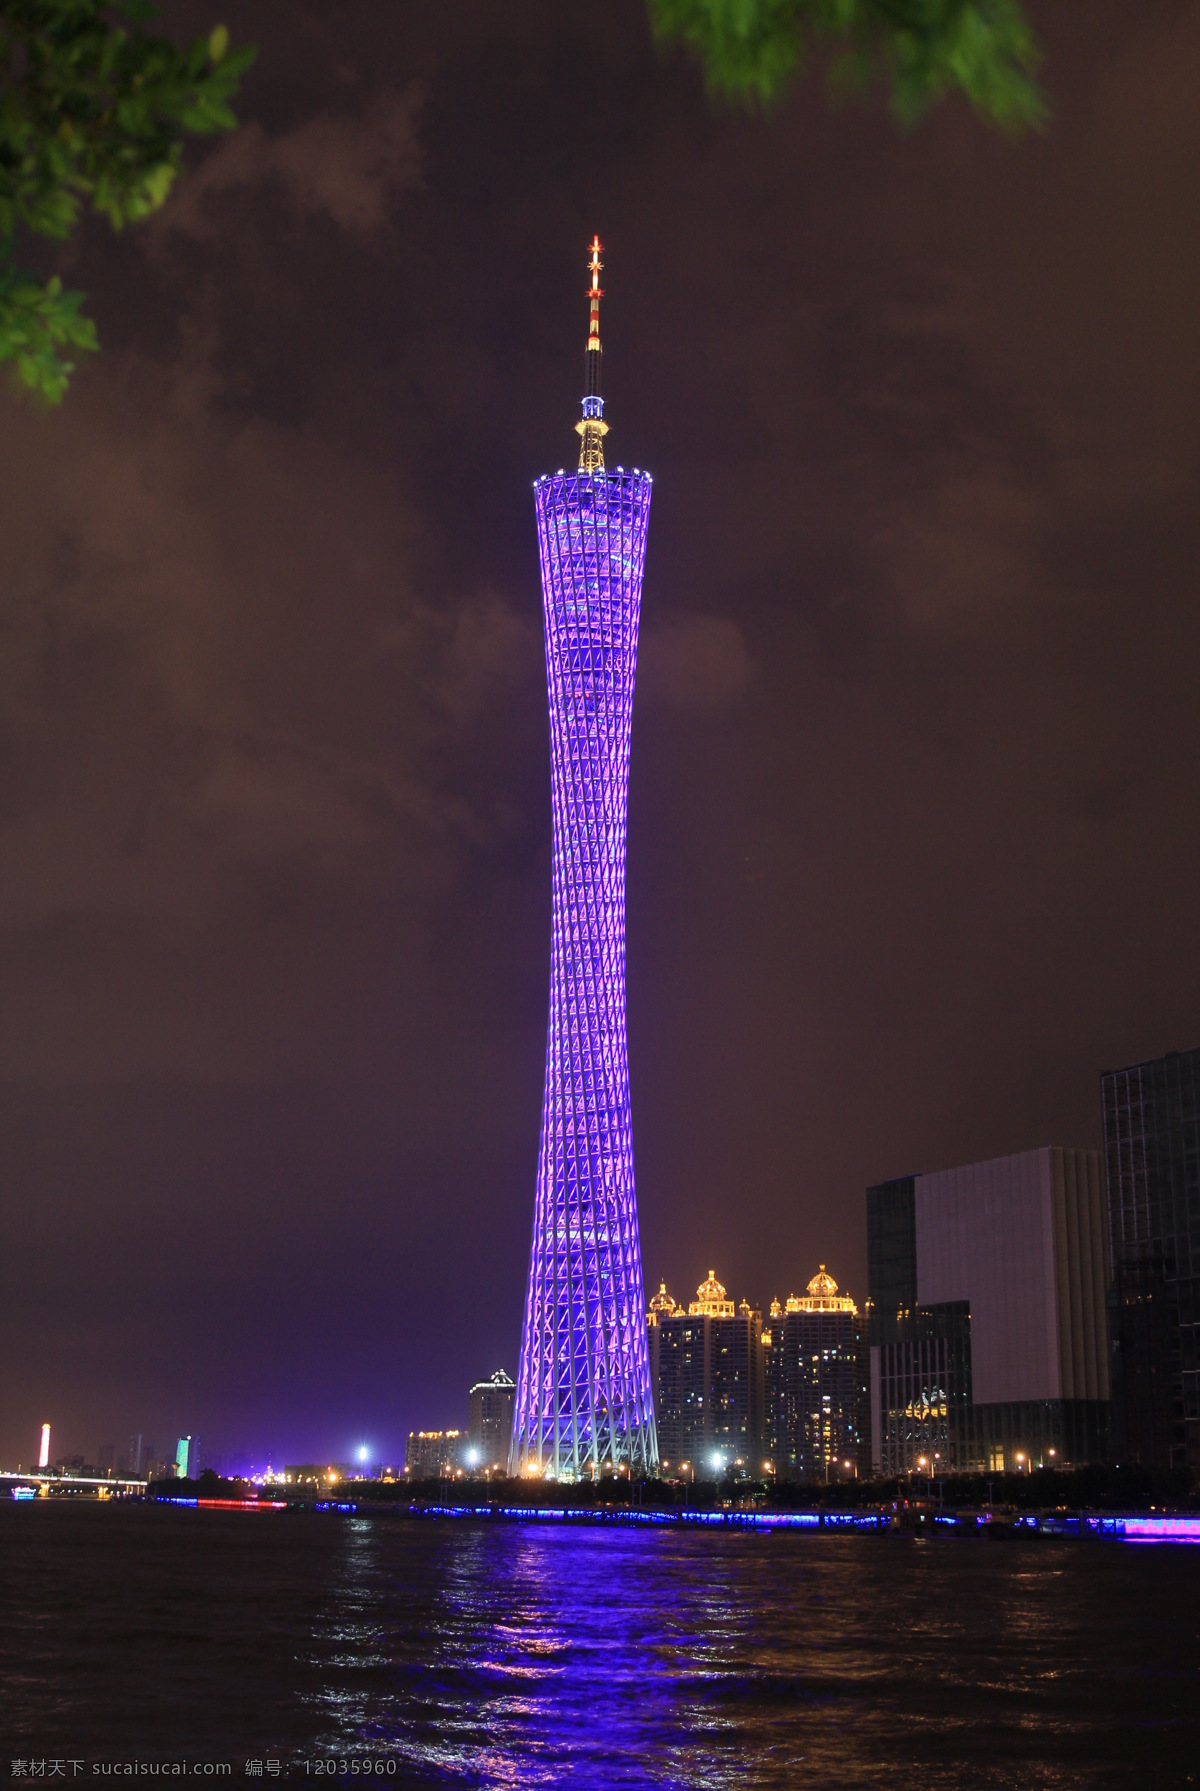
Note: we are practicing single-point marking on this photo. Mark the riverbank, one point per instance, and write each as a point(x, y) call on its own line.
point(995, 1526)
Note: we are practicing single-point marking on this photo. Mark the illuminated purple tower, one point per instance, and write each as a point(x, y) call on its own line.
point(584, 1399)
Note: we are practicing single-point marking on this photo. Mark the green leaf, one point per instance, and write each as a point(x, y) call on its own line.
point(37, 322)
point(93, 111)
point(983, 50)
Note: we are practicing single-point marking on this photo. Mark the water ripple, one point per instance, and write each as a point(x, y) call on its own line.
point(494, 1656)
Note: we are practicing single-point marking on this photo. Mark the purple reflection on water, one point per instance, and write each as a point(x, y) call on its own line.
point(496, 1654)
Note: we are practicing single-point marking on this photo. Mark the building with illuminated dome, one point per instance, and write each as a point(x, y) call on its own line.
point(815, 1375)
point(708, 1381)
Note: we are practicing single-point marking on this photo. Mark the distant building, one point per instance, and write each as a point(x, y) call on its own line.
point(434, 1454)
point(320, 1473)
point(659, 1307)
point(986, 1300)
point(106, 1460)
point(187, 1458)
point(770, 1346)
point(44, 1450)
point(706, 1365)
point(1152, 1154)
point(136, 1453)
point(489, 1423)
point(815, 1376)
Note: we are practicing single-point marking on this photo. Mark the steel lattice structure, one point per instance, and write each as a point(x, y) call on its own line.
point(584, 1398)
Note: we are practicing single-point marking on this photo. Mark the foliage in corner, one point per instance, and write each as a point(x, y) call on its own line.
point(93, 112)
point(923, 49)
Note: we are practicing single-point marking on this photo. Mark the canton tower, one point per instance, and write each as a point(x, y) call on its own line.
point(584, 1400)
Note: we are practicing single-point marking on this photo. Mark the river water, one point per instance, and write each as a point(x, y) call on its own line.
point(475, 1654)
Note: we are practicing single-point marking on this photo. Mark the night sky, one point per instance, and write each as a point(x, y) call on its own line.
point(913, 851)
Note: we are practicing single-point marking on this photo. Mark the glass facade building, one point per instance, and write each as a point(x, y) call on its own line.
point(986, 1315)
point(920, 1356)
point(1152, 1156)
point(187, 1458)
point(584, 1400)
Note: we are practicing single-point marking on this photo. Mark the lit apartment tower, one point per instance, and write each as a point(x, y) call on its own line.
point(490, 1422)
point(1152, 1151)
point(816, 1386)
point(708, 1381)
point(44, 1450)
point(435, 1454)
point(584, 1399)
point(661, 1306)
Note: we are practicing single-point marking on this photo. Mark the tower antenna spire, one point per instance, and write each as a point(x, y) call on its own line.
point(591, 426)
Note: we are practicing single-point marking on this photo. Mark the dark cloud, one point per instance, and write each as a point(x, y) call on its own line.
point(693, 662)
point(912, 816)
point(348, 167)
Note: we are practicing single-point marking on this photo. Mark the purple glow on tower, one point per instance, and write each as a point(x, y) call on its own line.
point(583, 1389)
point(584, 1399)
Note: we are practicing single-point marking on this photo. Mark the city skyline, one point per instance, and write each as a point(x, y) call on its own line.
point(913, 774)
point(1098, 1234)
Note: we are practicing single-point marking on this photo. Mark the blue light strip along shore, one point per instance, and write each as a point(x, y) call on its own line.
point(1129, 1528)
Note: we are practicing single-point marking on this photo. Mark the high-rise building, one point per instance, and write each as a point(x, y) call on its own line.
point(770, 1347)
point(816, 1385)
point(44, 1450)
point(434, 1454)
point(490, 1422)
point(187, 1458)
point(986, 1299)
point(708, 1380)
point(1152, 1151)
point(660, 1306)
point(584, 1399)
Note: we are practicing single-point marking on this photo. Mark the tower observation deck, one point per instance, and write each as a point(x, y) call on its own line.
point(584, 1400)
